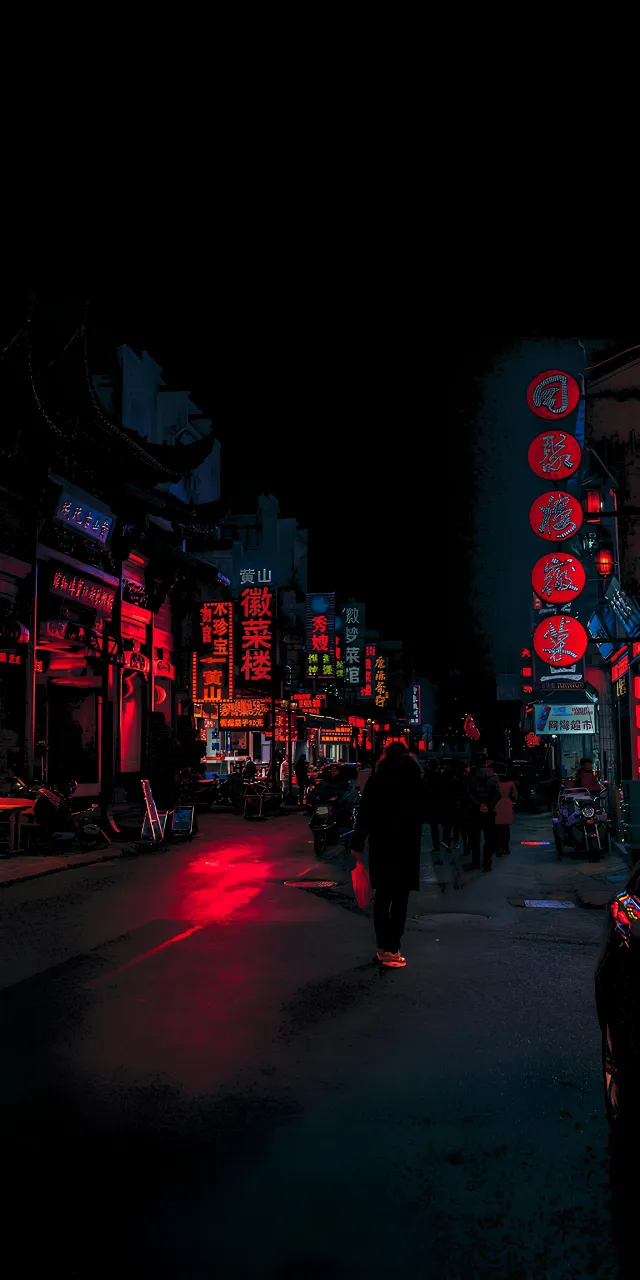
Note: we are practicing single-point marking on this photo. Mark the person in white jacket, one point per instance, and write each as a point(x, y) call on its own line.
point(284, 774)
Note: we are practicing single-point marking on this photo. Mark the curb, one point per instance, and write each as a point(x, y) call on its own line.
point(68, 866)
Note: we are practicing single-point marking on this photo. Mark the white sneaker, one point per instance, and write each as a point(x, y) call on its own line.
point(393, 960)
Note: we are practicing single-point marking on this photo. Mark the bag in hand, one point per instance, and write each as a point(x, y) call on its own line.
point(362, 890)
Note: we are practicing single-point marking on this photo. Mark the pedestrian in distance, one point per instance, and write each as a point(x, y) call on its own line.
point(393, 808)
point(482, 793)
point(433, 776)
point(505, 810)
point(450, 805)
point(302, 776)
point(284, 774)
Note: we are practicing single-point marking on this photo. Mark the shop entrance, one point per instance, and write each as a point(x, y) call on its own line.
point(72, 734)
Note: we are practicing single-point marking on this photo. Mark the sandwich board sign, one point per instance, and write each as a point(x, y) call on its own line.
point(153, 819)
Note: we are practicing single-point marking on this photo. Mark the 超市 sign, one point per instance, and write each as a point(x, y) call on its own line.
point(569, 718)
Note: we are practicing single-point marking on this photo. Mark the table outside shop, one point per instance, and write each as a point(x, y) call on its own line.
point(13, 808)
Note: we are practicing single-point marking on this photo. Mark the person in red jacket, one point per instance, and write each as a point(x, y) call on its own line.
point(504, 810)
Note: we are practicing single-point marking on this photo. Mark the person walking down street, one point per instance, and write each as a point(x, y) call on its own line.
point(504, 810)
point(482, 793)
point(284, 774)
point(249, 771)
point(393, 808)
point(302, 776)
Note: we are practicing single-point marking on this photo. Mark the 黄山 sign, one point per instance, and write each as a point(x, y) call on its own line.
point(215, 667)
point(560, 640)
point(553, 394)
point(555, 516)
point(558, 577)
point(554, 455)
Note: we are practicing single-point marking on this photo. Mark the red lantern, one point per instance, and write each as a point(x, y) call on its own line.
point(555, 516)
point(553, 394)
point(557, 577)
point(593, 505)
point(554, 455)
point(560, 640)
point(604, 563)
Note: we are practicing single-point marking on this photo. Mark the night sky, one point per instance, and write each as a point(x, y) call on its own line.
point(366, 436)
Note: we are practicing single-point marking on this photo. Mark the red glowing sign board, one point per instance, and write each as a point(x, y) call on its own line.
point(320, 624)
point(341, 733)
point(13, 659)
point(558, 577)
point(555, 516)
point(244, 713)
point(560, 640)
point(381, 682)
point(214, 675)
point(554, 455)
point(553, 394)
point(370, 655)
point(93, 595)
point(532, 740)
point(620, 668)
point(256, 608)
point(308, 702)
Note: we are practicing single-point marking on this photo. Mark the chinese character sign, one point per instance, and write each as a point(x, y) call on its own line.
point(554, 455)
point(93, 595)
point(566, 719)
point(216, 660)
point(560, 640)
point(415, 704)
point(381, 682)
point(354, 625)
point(257, 624)
point(320, 630)
point(555, 516)
point(558, 577)
point(244, 713)
point(86, 520)
point(553, 394)
point(370, 655)
point(624, 607)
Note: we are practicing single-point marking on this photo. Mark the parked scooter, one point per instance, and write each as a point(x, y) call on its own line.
point(335, 809)
point(582, 823)
point(201, 793)
point(53, 812)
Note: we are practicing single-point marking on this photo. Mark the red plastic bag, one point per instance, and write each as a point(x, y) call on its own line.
point(362, 890)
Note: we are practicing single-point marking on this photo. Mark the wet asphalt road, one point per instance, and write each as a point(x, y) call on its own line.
point(205, 1074)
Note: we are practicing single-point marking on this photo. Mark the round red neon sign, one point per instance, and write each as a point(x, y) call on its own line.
point(555, 516)
point(553, 394)
point(560, 640)
point(557, 577)
point(554, 455)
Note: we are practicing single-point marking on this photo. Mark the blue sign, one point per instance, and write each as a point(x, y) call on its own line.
point(598, 633)
point(84, 519)
point(625, 608)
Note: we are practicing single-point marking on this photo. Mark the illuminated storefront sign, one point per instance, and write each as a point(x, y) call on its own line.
point(308, 703)
point(244, 713)
point(381, 681)
point(212, 675)
point(560, 640)
point(136, 661)
point(621, 667)
point(339, 658)
point(93, 595)
point(341, 733)
point(553, 394)
point(624, 607)
point(353, 627)
point(415, 705)
point(554, 455)
point(558, 577)
point(11, 659)
point(163, 668)
point(370, 654)
point(320, 630)
point(84, 519)
point(256, 607)
point(564, 719)
point(555, 516)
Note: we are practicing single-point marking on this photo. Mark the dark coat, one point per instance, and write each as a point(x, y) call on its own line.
point(393, 808)
point(482, 786)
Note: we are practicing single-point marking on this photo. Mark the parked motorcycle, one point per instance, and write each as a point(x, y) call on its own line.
point(199, 792)
point(582, 823)
point(333, 817)
point(52, 811)
point(261, 800)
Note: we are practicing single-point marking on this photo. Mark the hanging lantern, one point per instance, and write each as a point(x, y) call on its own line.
point(593, 505)
point(604, 563)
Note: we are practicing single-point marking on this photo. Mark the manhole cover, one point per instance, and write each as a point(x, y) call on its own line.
point(310, 884)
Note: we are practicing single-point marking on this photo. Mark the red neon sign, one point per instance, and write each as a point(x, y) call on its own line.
point(620, 668)
point(556, 516)
point(257, 633)
point(216, 664)
point(553, 394)
point(554, 455)
point(560, 640)
point(558, 577)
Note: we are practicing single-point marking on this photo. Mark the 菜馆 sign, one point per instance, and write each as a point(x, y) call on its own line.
point(560, 640)
point(553, 394)
point(353, 616)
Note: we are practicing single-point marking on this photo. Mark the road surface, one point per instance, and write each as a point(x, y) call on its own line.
point(205, 1074)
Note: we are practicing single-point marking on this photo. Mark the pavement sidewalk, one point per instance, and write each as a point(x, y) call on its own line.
point(30, 866)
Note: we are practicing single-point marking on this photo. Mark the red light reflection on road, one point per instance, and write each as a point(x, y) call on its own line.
point(215, 886)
